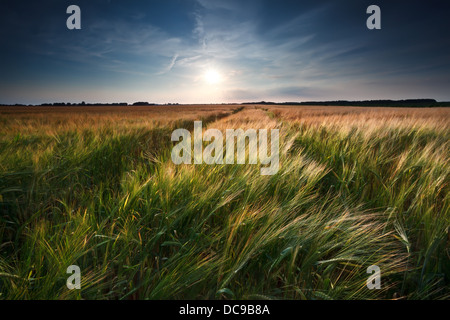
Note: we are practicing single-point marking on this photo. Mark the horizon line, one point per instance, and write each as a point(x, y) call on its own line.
point(145, 103)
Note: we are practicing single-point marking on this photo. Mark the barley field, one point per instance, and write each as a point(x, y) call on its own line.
point(96, 187)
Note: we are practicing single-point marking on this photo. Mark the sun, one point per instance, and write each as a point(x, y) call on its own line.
point(212, 77)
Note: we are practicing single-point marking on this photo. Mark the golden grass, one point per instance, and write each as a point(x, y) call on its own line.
point(95, 186)
point(27, 120)
point(364, 117)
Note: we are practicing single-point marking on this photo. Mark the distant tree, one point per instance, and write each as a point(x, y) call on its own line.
point(140, 103)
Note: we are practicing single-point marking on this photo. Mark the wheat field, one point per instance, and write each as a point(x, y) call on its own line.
point(95, 187)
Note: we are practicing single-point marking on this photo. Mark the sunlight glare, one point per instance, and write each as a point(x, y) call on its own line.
point(212, 77)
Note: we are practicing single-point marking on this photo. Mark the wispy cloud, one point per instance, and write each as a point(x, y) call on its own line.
point(170, 66)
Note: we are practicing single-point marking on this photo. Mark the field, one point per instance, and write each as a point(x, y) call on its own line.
point(96, 187)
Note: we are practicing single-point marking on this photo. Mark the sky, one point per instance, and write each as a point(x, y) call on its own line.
point(223, 51)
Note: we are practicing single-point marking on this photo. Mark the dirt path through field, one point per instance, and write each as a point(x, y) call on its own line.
point(248, 118)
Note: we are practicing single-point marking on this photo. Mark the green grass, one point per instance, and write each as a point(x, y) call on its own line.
point(139, 227)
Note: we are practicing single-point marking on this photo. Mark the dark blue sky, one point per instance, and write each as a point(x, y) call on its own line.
point(202, 51)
